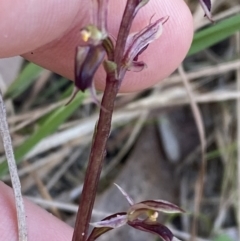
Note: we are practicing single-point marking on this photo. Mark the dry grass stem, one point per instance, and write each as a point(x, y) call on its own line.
point(238, 132)
point(178, 96)
point(44, 192)
point(201, 131)
point(73, 157)
point(43, 172)
point(7, 142)
point(63, 206)
point(184, 235)
point(38, 86)
point(84, 128)
point(40, 163)
point(204, 72)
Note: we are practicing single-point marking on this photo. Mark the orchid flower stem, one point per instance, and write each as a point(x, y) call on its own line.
point(102, 130)
point(97, 155)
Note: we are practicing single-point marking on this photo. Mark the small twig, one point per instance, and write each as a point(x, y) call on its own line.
point(7, 142)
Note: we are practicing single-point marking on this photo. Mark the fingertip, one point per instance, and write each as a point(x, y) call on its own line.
point(27, 25)
point(41, 224)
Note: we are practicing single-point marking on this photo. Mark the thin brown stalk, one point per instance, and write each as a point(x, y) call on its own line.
point(96, 158)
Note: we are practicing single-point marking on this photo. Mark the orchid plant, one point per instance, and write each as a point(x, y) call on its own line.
point(118, 56)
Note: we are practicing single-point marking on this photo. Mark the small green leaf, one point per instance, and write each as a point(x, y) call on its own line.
point(49, 126)
point(214, 34)
point(24, 80)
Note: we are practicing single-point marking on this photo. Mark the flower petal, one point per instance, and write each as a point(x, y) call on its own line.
point(113, 221)
point(88, 59)
point(206, 5)
point(129, 199)
point(80, 56)
point(137, 42)
point(152, 227)
point(157, 205)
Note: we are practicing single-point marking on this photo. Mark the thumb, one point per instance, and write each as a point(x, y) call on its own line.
point(26, 25)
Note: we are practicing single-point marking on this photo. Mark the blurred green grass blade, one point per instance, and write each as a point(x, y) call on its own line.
point(67, 92)
point(49, 126)
point(24, 80)
point(57, 85)
point(217, 153)
point(214, 34)
point(223, 237)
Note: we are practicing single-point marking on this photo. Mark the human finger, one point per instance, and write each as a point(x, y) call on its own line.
point(41, 224)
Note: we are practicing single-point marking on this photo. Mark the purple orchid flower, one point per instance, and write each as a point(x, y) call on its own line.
point(142, 216)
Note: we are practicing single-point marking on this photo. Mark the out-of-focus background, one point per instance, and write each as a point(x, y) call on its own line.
point(154, 150)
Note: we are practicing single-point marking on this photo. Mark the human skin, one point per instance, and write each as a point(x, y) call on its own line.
point(46, 33)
